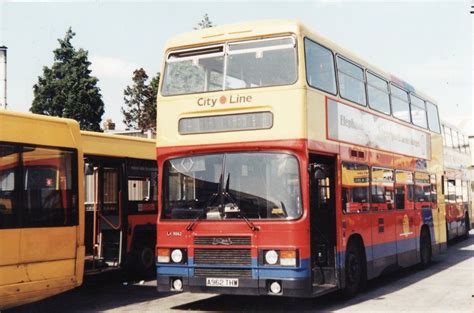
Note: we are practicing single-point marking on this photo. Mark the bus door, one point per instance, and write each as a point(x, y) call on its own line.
point(406, 213)
point(382, 219)
point(323, 220)
point(142, 178)
point(110, 215)
point(106, 214)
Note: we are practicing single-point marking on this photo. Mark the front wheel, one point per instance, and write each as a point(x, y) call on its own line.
point(354, 271)
point(425, 248)
point(146, 258)
point(140, 262)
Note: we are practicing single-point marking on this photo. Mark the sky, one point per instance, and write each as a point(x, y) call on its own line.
point(429, 44)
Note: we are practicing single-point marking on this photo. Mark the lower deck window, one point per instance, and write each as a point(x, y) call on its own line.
point(38, 186)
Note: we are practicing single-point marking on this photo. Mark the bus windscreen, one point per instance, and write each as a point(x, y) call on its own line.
point(232, 185)
point(238, 65)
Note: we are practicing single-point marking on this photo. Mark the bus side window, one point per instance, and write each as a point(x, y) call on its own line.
point(465, 192)
point(381, 189)
point(434, 196)
point(8, 178)
point(355, 179)
point(458, 191)
point(422, 190)
point(49, 194)
point(400, 197)
point(450, 190)
point(320, 71)
point(403, 190)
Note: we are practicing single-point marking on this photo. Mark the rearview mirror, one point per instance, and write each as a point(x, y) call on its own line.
point(88, 169)
point(319, 171)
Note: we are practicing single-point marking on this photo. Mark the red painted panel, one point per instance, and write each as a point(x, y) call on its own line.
point(134, 220)
point(271, 234)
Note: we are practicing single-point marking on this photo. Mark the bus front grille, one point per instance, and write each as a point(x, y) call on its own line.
point(223, 256)
point(222, 272)
point(226, 241)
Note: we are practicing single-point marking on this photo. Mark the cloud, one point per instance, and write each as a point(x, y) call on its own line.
point(111, 67)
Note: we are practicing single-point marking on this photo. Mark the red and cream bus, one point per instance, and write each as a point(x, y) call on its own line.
point(290, 167)
point(456, 181)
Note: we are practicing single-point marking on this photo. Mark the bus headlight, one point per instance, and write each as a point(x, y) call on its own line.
point(177, 256)
point(271, 257)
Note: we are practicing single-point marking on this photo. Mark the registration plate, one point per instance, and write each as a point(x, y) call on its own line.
point(222, 282)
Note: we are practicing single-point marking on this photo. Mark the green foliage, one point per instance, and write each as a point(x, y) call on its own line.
point(67, 89)
point(204, 23)
point(140, 101)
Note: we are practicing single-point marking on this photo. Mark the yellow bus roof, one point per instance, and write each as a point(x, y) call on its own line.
point(100, 144)
point(38, 129)
point(265, 28)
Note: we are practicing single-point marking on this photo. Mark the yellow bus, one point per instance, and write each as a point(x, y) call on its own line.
point(288, 166)
point(120, 202)
point(41, 207)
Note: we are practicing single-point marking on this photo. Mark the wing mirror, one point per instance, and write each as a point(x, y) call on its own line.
point(88, 169)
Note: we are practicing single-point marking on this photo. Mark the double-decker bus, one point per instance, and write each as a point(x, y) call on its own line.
point(120, 202)
point(290, 167)
point(41, 207)
point(456, 181)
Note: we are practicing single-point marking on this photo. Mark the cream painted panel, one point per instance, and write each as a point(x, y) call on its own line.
point(286, 103)
point(316, 115)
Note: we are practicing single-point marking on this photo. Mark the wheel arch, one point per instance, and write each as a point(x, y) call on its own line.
point(357, 239)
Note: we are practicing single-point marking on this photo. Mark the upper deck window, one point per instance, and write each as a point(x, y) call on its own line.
point(351, 81)
point(238, 65)
point(400, 104)
point(377, 92)
point(320, 67)
point(418, 111)
point(455, 139)
point(433, 120)
point(448, 137)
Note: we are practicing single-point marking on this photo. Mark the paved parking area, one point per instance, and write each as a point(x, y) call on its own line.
point(446, 286)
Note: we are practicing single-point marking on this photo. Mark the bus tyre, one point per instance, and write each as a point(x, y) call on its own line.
point(425, 248)
point(466, 226)
point(447, 231)
point(354, 270)
point(146, 258)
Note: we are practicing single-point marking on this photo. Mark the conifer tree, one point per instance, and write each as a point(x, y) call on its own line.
point(67, 89)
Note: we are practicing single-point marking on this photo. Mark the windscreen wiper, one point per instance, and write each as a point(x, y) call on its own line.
point(240, 213)
point(206, 206)
point(204, 212)
point(249, 223)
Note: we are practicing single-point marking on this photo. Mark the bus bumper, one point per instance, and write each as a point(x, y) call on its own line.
point(290, 287)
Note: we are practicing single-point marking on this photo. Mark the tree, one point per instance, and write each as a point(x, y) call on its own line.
point(204, 23)
point(67, 89)
point(140, 101)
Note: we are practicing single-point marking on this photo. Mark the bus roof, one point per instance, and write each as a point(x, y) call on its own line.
point(38, 129)
point(95, 143)
point(265, 28)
